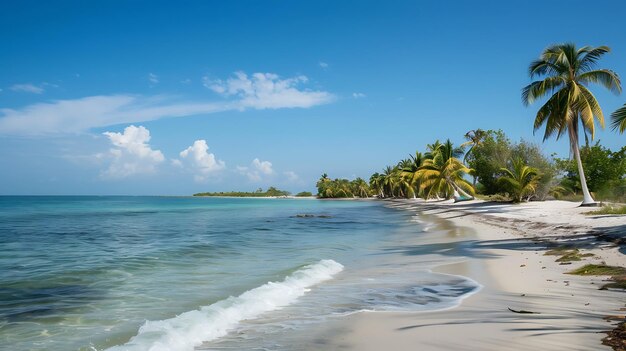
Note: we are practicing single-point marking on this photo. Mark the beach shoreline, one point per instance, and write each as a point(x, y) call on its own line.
point(503, 248)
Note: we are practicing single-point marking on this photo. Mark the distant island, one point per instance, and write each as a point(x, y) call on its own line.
point(270, 192)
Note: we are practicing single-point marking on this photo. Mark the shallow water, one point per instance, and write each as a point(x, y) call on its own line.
point(133, 273)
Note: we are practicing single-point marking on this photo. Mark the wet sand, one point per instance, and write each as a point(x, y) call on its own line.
point(502, 247)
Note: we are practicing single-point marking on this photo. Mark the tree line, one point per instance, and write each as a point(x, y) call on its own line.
point(518, 171)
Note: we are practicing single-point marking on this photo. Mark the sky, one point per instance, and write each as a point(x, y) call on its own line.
point(163, 98)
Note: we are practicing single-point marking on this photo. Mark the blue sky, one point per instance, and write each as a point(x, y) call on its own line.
point(147, 97)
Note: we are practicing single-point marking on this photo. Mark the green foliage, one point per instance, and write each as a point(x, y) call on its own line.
point(488, 158)
point(619, 119)
point(595, 269)
point(604, 172)
point(609, 210)
point(567, 72)
point(304, 194)
point(495, 152)
point(342, 188)
point(441, 173)
point(532, 156)
point(519, 179)
point(271, 191)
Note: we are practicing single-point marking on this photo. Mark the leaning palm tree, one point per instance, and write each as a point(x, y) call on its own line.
point(567, 72)
point(442, 174)
point(619, 119)
point(520, 179)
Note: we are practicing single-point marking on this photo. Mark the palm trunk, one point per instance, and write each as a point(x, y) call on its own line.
point(458, 190)
point(573, 139)
point(587, 199)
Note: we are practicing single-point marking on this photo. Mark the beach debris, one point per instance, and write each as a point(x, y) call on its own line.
point(522, 265)
point(522, 311)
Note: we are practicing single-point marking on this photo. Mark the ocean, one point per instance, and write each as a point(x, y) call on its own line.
point(188, 273)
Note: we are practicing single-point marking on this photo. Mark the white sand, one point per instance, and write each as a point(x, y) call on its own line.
point(507, 258)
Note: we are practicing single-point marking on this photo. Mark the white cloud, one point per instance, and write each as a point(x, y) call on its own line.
point(267, 91)
point(200, 161)
point(257, 170)
point(185, 81)
point(260, 91)
point(323, 64)
point(291, 176)
point(358, 95)
point(153, 78)
point(27, 88)
point(131, 153)
point(79, 115)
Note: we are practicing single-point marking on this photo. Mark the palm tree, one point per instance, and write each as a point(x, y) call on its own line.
point(410, 171)
point(521, 179)
point(567, 72)
point(376, 184)
point(442, 173)
point(474, 138)
point(619, 119)
point(360, 187)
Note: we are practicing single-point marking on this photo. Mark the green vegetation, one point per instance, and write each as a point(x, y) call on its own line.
point(618, 274)
point(271, 191)
point(568, 254)
point(342, 188)
point(609, 210)
point(519, 179)
point(619, 119)
point(595, 269)
point(567, 71)
point(501, 170)
point(605, 171)
point(304, 194)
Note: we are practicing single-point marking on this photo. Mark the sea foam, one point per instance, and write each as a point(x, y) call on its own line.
point(191, 329)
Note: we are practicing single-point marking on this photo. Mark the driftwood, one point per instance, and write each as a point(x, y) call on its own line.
point(522, 311)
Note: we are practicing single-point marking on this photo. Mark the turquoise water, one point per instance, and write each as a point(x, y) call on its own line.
point(167, 273)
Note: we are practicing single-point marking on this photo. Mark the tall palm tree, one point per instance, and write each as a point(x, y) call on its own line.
point(443, 172)
point(567, 71)
point(521, 179)
point(619, 119)
point(474, 138)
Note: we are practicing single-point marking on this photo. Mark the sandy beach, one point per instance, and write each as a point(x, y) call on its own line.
point(503, 246)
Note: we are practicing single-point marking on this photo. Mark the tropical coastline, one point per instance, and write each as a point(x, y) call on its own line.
point(311, 175)
point(504, 248)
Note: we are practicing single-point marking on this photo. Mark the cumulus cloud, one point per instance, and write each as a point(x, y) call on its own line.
point(257, 170)
point(358, 95)
point(323, 64)
point(131, 153)
point(27, 88)
point(267, 91)
point(259, 91)
point(153, 78)
point(199, 160)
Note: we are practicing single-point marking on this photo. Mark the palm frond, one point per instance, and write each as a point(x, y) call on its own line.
point(619, 119)
point(541, 88)
point(605, 77)
point(590, 56)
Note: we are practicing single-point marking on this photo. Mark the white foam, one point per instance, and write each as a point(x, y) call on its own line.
point(190, 329)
